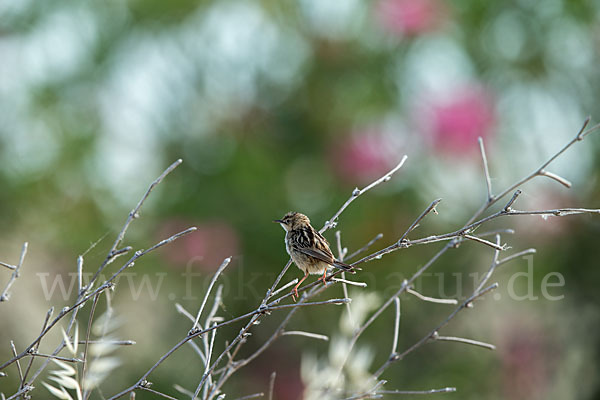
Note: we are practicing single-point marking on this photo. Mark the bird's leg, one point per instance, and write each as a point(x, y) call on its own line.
point(295, 289)
point(322, 279)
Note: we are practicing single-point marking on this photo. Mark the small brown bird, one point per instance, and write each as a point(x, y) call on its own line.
point(308, 248)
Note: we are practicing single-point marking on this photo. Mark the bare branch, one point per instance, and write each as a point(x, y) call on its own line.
point(511, 201)
point(516, 255)
point(314, 303)
point(488, 181)
point(463, 340)
point(80, 274)
point(251, 396)
point(59, 358)
point(135, 212)
point(277, 280)
point(583, 134)
point(166, 396)
point(5, 295)
point(210, 286)
point(114, 251)
point(365, 247)
point(272, 385)
point(11, 267)
point(281, 289)
point(556, 177)
point(183, 311)
point(87, 338)
point(307, 334)
point(430, 299)
point(491, 269)
point(34, 348)
point(396, 326)
point(351, 283)
point(14, 350)
point(433, 332)
point(357, 192)
point(111, 342)
point(341, 255)
point(431, 391)
point(429, 209)
point(486, 242)
point(85, 297)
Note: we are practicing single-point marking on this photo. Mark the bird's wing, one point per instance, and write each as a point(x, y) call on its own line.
point(326, 257)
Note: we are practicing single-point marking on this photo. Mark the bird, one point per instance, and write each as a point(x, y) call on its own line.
point(308, 249)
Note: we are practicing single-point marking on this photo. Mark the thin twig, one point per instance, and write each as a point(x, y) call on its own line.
point(491, 269)
point(272, 384)
point(59, 358)
point(240, 337)
point(463, 232)
point(371, 393)
point(464, 340)
point(341, 254)
point(34, 348)
point(281, 289)
point(396, 326)
point(365, 247)
point(430, 299)
point(135, 212)
point(251, 396)
point(87, 341)
point(5, 295)
point(166, 396)
point(11, 267)
point(430, 391)
point(516, 255)
point(24, 390)
point(80, 273)
point(111, 342)
point(351, 283)
point(357, 192)
point(453, 237)
point(486, 242)
point(433, 332)
point(84, 296)
point(14, 350)
point(273, 287)
point(82, 299)
point(224, 265)
point(113, 252)
point(307, 334)
point(417, 221)
point(197, 333)
point(488, 180)
point(557, 178)
point(385, 305)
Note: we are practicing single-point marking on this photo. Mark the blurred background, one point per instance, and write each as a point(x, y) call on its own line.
point(278, 106)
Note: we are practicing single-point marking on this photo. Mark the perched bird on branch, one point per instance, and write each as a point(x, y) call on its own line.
point(308, 249)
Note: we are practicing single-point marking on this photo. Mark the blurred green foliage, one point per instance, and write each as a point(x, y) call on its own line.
point(290, 105)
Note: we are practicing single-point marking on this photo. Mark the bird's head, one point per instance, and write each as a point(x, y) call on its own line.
point(293, 220)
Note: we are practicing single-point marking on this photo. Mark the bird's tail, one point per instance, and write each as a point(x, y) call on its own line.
point(346, 267)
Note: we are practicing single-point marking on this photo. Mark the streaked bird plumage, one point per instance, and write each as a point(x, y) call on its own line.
point(308, 249)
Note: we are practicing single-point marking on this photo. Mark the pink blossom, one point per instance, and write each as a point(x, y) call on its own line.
point(410, 17)
point(455, 123)
point(362, 157)
point(206, 248)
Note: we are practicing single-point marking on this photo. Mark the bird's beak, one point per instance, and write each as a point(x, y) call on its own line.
point(278, 221)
